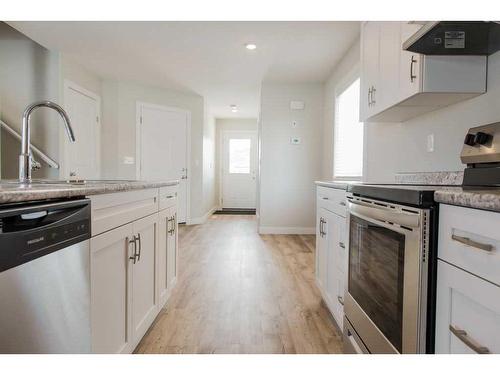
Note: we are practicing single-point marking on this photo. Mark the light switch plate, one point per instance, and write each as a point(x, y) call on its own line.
point(128, 160)
point(295, 140)
point(297, 105)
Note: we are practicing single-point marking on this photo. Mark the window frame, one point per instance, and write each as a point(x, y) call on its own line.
point(349, 78)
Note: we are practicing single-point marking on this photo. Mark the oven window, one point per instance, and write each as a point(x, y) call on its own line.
point(376, 262)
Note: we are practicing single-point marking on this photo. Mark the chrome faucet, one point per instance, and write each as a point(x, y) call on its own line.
point(26, 159)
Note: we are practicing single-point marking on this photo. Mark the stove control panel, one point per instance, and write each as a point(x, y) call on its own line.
point(482, 145)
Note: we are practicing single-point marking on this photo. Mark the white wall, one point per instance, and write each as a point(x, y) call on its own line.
point(222, 125)
point(209, 169)
point(28, 73)
point(449, 125)
point(348, 66)
point(392, 148)
point(288, 172)
point(119, 131)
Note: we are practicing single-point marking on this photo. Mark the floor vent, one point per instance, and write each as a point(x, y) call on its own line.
point(235, 211)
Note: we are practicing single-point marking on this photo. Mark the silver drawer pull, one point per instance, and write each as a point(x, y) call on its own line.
point(325, 198)
point(467, 241)
point(341, 300)
point(342, 245)
point(342, 203)
point(169, 196)
point(462, 336)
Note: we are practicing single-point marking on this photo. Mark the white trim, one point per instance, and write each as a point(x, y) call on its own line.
point(286, 230)
point(138, 115)
point(203, 219)
point(64, 157)
point(221, 160)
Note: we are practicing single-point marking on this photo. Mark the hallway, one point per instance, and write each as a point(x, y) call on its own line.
point(239, 292)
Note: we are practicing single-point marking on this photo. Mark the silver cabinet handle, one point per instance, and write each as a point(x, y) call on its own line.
point(321, 222)
point(325, 198)
point(140, 247)
point(462, 336)
point(412, 61)
point(467, 241)
point(369, 96)
point(342, 203)
point(373, 95)
point(342, 245)
point(170, 196)
point(341, 300)
point(134, 257)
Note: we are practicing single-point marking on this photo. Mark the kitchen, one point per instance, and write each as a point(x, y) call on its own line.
point(156, 199)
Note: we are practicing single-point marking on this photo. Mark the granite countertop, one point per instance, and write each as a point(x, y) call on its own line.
point(341, 185)
point(11, 192)
point(483, 199)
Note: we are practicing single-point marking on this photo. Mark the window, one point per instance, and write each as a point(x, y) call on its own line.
point(239, 155)
point(348, 135)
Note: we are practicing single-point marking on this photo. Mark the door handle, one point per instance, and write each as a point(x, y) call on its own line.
point(412, 76)
point(134, 257)
point(468, 242)
point(140, 247)
point(462, 336)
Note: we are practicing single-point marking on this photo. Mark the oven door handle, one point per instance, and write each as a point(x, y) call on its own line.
point(384, 215)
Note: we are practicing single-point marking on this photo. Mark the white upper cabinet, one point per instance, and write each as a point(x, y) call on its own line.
point(397, 85)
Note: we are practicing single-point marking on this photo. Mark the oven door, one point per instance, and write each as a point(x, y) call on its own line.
point(386, 278)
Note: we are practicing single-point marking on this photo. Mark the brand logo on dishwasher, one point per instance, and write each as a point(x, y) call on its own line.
point(35, 240)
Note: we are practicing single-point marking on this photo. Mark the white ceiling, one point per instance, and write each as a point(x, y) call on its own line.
point(206, 58)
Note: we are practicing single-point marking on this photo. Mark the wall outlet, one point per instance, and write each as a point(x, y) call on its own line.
point(430, 143)
point(128, 160)
point(295, 141)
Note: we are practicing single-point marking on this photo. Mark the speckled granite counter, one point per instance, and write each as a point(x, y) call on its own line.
point(12, 192)
point(341, 185)
point(484, 199)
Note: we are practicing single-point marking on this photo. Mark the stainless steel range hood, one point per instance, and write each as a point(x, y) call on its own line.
point(455, 38)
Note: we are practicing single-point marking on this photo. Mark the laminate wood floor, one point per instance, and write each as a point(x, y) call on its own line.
point(241, 292)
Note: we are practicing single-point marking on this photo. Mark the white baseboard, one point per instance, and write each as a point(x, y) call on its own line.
point(287, 230)
point(202, 219)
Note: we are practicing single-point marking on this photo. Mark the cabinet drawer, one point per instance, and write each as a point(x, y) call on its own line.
point(167, 197)
point(467, 314)
point(332, 200)
point(112, 210)
point(470, 239)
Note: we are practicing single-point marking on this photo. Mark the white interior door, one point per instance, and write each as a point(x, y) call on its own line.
point(82, 157)
point(163, 149)
point(239, 153)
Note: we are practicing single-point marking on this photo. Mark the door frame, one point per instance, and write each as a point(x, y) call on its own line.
point(138, 122)
point(63, 144)
point(221, 160)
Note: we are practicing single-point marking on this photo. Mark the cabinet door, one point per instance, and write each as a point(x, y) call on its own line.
point(321, 246)
point(410, 79)
point(172, 250)
point(467, 312)
point(144, 297)
point(110, 286)
point(370, 37)
point(386, 90)
point(164, 225)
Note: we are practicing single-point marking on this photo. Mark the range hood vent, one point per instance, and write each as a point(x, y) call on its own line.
point(455, 38)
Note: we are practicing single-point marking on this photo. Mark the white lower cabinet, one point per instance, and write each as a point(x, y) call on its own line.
point(468, 291)
point(133, 270)
point(467, 314)
point(110, 291)
point(331, 253)
point(167, 259)
point(143, 269)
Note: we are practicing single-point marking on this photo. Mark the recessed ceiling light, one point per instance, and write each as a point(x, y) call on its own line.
point(251, 46)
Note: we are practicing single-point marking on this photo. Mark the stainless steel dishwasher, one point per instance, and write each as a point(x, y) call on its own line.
point(45, 277)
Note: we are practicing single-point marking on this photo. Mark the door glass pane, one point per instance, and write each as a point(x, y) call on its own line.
point(239, 155)
point(376, 264)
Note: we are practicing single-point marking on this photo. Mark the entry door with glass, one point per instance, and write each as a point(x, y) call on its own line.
point(239, 161)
